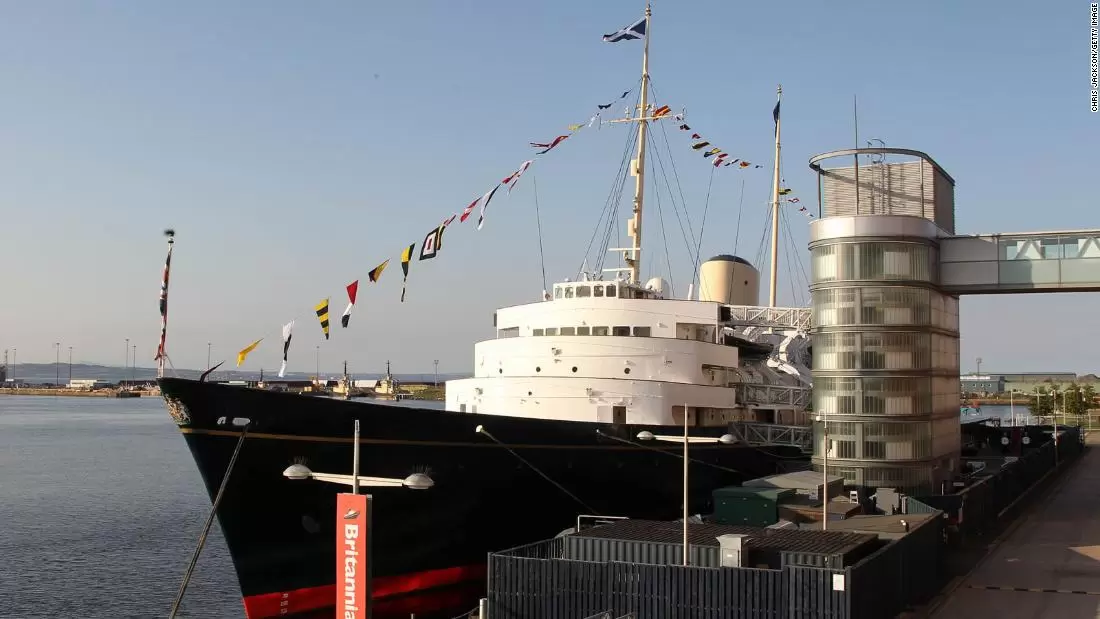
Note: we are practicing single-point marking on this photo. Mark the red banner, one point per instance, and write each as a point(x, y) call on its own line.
point(352, 556)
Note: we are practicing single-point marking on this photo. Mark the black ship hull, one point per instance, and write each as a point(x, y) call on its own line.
point(525, 480)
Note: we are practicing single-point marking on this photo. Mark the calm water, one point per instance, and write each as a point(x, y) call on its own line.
point(100, 509)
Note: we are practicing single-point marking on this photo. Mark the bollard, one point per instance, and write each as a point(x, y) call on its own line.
point(483, 608)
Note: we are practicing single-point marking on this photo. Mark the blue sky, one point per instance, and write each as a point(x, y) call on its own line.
point(293, 146)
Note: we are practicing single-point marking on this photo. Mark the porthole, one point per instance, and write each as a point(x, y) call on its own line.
point(528, 393)
point(500, 371)
point(626, 370)
point(538, 369)
point(574, 369)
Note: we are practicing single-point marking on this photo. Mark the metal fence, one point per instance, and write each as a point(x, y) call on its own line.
point(977, 508)
point(533, 582)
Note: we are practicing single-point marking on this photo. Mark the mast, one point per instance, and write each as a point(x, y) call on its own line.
point(634, 227)
point(775, 205)
point(162, 353)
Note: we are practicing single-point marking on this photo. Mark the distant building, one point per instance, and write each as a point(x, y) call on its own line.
point(87, 383)
point(1039, 377)
point(985, 383)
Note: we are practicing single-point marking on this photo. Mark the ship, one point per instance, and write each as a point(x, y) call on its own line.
point(580, 406)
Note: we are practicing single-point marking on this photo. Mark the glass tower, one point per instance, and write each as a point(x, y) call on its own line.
point(885, 337)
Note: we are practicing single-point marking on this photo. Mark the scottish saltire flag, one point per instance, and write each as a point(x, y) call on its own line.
point(630, 33)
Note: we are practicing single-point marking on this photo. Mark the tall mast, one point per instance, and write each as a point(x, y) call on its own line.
point(775, 205)
point(634, 227)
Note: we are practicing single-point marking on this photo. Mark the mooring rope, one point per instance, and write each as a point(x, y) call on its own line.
point(206, 527)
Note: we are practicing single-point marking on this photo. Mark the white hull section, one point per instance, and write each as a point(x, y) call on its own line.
point(602, 400)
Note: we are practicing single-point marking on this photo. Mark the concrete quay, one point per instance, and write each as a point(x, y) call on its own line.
point(73, 393)
point(1047, 563)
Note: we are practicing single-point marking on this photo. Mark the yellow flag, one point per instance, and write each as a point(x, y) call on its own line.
point(247, 349)
point(376, 272)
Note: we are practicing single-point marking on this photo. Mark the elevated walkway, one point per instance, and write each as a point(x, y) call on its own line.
point(762, 434)
point(1067, 261)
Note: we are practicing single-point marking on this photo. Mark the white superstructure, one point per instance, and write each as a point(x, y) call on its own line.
point(622, 352)
point(613, 352)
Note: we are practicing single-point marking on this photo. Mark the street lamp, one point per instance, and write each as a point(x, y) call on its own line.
point(133, 369)
point(436, 363)
point(126, 365)
point(416, 481)
point(56, 363)
point(725, 439)
point(208, 355)
point(824, 471)
point(70, 365)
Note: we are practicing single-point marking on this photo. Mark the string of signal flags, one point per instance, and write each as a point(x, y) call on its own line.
point(433, 240)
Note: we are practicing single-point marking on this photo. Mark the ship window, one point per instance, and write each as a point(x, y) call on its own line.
point(567, 331)
point(584, 291)
point(557, 292)
point(641, 331)
point(551, 330)
point(583, 330)
point(569, 292)
point(538, 369)
point(600, 331)
point(618, 414)
point(574, 369)
point(611, 290)
point(597, 291)
point(626, 370)
point(620, 331)
point(536, 332)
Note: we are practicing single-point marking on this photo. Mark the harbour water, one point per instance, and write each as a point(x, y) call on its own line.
point(101, 508)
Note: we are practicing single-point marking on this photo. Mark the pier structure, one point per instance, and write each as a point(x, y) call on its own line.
point(888, 269)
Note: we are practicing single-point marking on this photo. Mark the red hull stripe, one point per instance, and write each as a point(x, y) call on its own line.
point(282, 604)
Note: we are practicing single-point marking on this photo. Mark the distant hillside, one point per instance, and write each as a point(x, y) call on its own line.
point(46, 373)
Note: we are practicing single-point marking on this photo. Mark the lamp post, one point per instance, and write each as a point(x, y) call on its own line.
point(436, 363)
point(70, 365)
point(126, 365)
point(14, 363)
point(1012, 406)
point(725, 439)
point(208, 355)
point(823, 418)
point(133, 368)
point(979, 364)
point(56, 363)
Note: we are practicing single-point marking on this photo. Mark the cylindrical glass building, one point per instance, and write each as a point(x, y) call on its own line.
point(885, 338)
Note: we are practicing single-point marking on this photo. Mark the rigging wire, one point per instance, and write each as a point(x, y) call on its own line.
point(538, 222)
point(610, 203)
point(672, 161)
point(787, 243)
point(613, 196)
point(740, 208)
point(702, 228)
point(801, 274)
point(758, 262)
point(685, 233)
point(664, 237)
